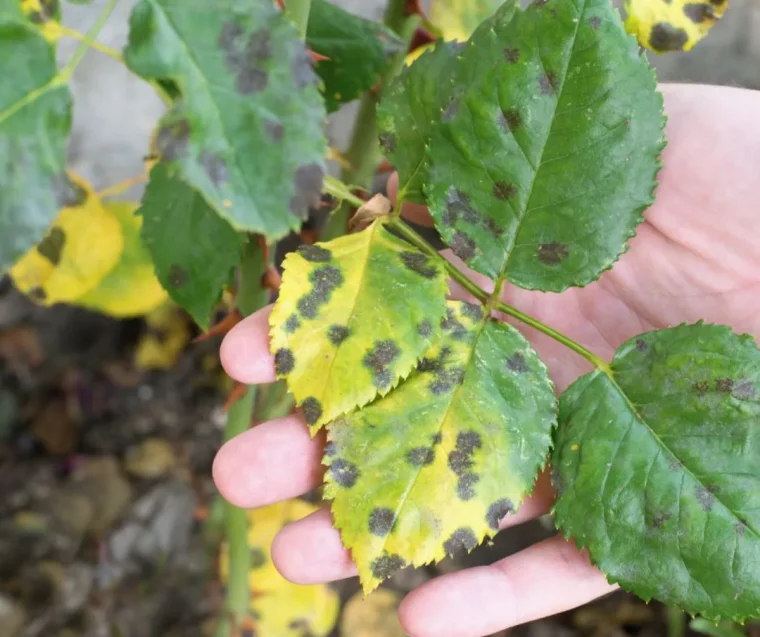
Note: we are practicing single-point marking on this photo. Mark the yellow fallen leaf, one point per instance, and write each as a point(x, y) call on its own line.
point(373, 616)
point(131, 288)
point(83, 244)
point(166, 338)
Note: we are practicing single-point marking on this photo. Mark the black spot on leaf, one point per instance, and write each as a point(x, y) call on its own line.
point(172, 139)
point(215, 167)
point(246, 56)
point(744, 390)
point(307, 186)
point(462, 539)
point(705, 498)
point(425, 329)
point(472, 310)
point(698, 13)
point(724, 385)
point(510, 120)
point(177, 276)
point(741, 528)
point(466, 486)
point(274, 130)
point(701, 387)
point(548, 83)
point(51, 247)
point(641, 346)
point(462, 246)
point(458, 204)
point(595, 22)
point(312, 410)
point(419, 263)
point(258, 558)
point(660, 519)
point(666, 37)
point(331, 449)
point(421, 456)
point(325, 280)
point(388, 142)
point(552, 253)
point(469, 440)
point(386, 565)
point(454, 327)
point(345, 473)
point(292, 324)
point(503, 191)
point(497, 511)
point(315, 254)
point(378, 359)
point(511, 54)
point(37, 294)
point(451, 111)
point(381, 521)
point(303, 69)
point(460, 462)
point(437, 438)
point(284, 361)
point(517, 363)
point(337, 334)
point(446, 380)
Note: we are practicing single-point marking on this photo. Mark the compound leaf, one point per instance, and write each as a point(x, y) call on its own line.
point(433, 466)
point(672, 25)
point(131, 287)
point(547, 154)
point(353, 317)
point(359, 51)
point(457, 19)
point(247, 131)
point(410, 110)
point(83, 244)
point(35, 119)
point(193, 249)
point(658, 469)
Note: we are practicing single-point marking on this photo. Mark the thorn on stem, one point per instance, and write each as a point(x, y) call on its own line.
point(238, 391)
point(222, 327)
point(422, 37)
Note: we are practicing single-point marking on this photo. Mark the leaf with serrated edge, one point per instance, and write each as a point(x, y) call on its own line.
point(408, 112)
point(247, 132)
point(545, 159)
point(353, 317)
point(431, 468)
point(359, 51)
point(658, 469)
point(35, 119)
point(457, 19)
point(194, 250)
point(672, 25)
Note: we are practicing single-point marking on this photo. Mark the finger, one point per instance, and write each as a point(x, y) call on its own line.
point(547, 578)
point(245, 350)
point(271, 462)
point(310, 551)
point(416, 213)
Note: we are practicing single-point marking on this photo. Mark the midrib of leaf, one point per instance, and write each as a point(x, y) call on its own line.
point(521, 219)
point(667, 450)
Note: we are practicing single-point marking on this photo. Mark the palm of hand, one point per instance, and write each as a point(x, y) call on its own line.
point(694, 258)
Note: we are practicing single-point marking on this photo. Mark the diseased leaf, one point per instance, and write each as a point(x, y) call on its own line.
point(432, 467)
point(131, 287)
point(407, 114)
point(658, 469)
point(359, 51)
point(35, 119)
point(168, 334)
point(193, 249)
point(46, 15)
point(672, 25)
point(83, 244)
point(545, 159)
point(247, 131)
point(353, 317)
point(457, 19)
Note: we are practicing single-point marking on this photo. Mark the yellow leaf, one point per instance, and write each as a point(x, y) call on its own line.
point(672, 25)
point(373, 616)
point(131, 288)
point(83, 244)
point(168, 334)
point(43, 13)
point(457, 19)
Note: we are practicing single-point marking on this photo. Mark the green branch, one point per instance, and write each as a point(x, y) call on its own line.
point(299, 10)
point(67, 71)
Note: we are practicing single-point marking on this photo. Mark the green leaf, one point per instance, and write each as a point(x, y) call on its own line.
point(35, 119)
point(193, 249)
point(408, 113)
point(359, 51)
point(247, 132)
point(547, 155)
point(431, 468)
point(457, 19)
point(353, 317)
point(658, 469)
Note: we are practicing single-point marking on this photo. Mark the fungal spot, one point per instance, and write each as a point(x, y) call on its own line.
point(517, 363)
point(741, 529)
point(460, 462)
point(274, 130)
point(173, 139)
point(284, 361)
point(381, 521)
point(425, 329)
point(462, 246)
point(67, 192)
point(303, 69)
point(660, 519)
point(552, 253)
point(469, 440)
point(548, 82)
point(214, 167)
point(701, 387)
point(472, 310)
point(705, 498)
point(446, 380)
point(673, 463)
point(292, 324)
point(37, 294)
point(558, 481)
point(744, 390)
point(51, 247)
point(461, 539)
point(458, 203)
point(386, 565)
point(388, 142)
point(724, 385)
point(595, 22)
point(325, 280)
point(466, 486)
point(503, 191)
point(337, 334)
point(307, 186)
point(666, 37)
point(345, 473)
point(419, 263)
point(246, 56)
point(698, 13)
point(421, 456)
point(511, 54)
point(312, 410)
point(510, 120)
point(177, 276)
point(331, 449)
point(378, 359)
point(641, 345)
point(452, 110)
point(314, 253)
point(455, 328)
point(497, 511)
point(258, 558)
point(437, 438)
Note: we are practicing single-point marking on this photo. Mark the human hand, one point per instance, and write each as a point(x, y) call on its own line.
point(696, 256)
